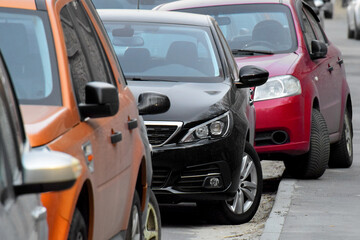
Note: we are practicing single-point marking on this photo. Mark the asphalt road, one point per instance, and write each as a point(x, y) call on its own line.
point(327, 208)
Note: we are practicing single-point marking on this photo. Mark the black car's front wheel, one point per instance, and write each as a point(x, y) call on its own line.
point(134, 231)
point(152, 230)
point(244, 205)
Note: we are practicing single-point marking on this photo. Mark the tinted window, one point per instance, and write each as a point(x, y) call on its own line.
point(165, 51)
point(256, 26)
point(309, 34)
point(316, 26)
point(128, 4)
point(27, 46)
point(10, 146)
point(85, 53)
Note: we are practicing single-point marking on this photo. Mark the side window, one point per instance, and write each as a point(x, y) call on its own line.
point(229, 58)
point(316, 26)
point(9, 144)
point(87, 58)
point(309, 34)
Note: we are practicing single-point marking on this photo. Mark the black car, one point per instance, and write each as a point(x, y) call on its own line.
point(202, 146)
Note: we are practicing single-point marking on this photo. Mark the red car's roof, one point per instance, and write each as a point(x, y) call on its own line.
point(205, 3)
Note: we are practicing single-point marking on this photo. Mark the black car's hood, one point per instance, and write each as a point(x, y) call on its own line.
point(189, 102)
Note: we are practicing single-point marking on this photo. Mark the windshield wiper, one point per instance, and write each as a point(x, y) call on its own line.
point(148, 79)
point(251, 52)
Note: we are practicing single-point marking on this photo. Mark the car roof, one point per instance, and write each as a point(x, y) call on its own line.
point(128, 15)
point(21, 4)
point(182, 4)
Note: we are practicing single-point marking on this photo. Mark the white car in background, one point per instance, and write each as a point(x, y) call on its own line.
point(353, 19)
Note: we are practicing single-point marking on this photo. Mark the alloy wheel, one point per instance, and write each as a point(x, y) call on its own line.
point(247, 189)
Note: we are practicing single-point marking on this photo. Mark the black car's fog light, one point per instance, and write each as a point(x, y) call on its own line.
point(213, 182)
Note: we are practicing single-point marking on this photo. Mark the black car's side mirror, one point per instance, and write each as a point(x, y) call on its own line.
point(153, 103)
point(318, 49)
point(101, 100)
point(252, 76)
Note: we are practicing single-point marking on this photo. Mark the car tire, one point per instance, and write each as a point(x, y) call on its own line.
point(313, 164)
point(341, 153)
point(328, 14)
point(350, 33)
point(134, 231)
point(78, 229)
point(356, 31)
point(152, 230)
point(249, 192)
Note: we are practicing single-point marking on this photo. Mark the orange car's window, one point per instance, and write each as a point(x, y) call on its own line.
point(28, 49)
point(78, 66)
point(87, 58)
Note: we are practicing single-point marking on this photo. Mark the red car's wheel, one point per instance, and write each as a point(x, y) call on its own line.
point(313, 164)
point(341, 153)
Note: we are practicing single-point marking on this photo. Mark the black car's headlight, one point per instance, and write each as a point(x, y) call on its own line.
point(212, 129)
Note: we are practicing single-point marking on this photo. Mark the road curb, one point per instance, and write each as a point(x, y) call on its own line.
point(275, 222)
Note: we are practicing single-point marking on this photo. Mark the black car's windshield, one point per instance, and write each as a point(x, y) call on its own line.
point(29, 53)
point(263, 27)
point(155, 51)
point(128, 4)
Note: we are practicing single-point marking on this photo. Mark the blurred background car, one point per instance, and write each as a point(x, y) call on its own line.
point(128, 4)
point(203, 145)
point(353, 19)
point(304, 110)
point(74, 99)
point(24, 173)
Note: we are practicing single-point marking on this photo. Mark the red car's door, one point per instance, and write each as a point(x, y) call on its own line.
point(327, 76)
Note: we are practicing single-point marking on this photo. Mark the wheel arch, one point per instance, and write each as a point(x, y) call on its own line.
point(141, 183)
point(85, 204)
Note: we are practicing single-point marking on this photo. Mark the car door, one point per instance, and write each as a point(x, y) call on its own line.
point(110, 140)
point(21, 217)
point(330, 78)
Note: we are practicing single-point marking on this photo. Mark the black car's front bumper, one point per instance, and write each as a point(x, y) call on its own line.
point(205, 170)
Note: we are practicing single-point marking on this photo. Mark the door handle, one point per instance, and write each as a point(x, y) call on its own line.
point(330, 68)
point(39, 213)
point(340, 61)
point(116, 137)
point(132, 123)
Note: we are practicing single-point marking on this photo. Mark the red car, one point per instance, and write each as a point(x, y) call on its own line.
point(304, 111)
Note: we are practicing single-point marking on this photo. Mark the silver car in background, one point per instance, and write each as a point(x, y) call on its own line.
point(353, 19)
point(24, 173)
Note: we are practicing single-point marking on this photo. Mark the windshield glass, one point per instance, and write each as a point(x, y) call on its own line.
point(148, 51)
point(128, 4)
point(267, 27)
point(29, 55)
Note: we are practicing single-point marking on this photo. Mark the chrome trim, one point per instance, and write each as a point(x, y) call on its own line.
point(165, 123)
point(201, 175)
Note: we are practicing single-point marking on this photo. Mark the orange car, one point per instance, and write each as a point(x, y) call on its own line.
point(74, 99)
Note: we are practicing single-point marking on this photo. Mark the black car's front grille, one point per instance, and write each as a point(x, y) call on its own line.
point(192, 178)
point(160, 177)
point(160, 133)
